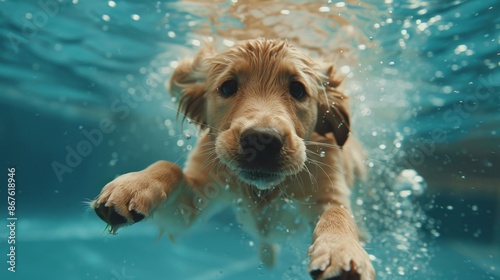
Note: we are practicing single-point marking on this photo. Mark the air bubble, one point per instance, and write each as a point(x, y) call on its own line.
point(297, 220)
point(435, 233)
point(322, 154)
point(401, 271)
point(401, 247)
point(405, 193)
point(408, 182)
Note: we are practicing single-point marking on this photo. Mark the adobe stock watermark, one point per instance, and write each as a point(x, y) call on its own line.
point(122, 107)
point(122, 275)
point(202, 199)
point(454, 117)
point(32, 23)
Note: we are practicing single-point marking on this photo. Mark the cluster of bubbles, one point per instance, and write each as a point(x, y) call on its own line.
point(389, 204)
point(394, 222)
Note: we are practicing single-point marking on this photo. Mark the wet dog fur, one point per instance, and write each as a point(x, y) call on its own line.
point(274, 131)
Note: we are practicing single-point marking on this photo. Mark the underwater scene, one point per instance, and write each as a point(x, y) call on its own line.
point(84, 98)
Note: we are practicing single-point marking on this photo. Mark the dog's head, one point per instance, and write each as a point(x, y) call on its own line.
point(261, 99)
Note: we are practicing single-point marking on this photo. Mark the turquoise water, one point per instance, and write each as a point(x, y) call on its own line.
point(426, 91)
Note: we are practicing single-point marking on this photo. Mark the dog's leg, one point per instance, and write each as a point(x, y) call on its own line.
point(336, 252)
point(268, 253)
point(133, 196)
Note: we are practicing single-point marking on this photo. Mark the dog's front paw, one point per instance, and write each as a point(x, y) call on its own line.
point(337, 258)
point(128, 199)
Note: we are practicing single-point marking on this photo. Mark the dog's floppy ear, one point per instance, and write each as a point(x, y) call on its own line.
point(188, 85)
point(333, 109)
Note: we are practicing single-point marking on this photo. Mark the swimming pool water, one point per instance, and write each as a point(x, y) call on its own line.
point(425, 89)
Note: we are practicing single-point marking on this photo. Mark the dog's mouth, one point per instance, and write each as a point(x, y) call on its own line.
point(261, 157)
point(261, 179)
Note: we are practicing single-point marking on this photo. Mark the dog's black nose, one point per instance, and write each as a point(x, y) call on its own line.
point(261, 147)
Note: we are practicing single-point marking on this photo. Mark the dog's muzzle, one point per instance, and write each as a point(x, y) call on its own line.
point(260, 160)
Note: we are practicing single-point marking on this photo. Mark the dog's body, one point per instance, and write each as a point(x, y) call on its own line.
point(274, 144)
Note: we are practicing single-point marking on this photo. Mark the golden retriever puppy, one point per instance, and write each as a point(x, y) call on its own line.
point(275, 144)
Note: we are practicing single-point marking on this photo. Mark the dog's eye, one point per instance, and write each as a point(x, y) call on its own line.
point(297, 90)
point(228, 88)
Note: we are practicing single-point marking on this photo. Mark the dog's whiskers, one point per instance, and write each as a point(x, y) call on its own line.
point(210, 159)
point(337, 147)
point(311, 177)
point(315, 162)
point(301, 184)
point(334, 168)
point(383, 162)
point(314, 153)
point(327, 145)
point(191, 120)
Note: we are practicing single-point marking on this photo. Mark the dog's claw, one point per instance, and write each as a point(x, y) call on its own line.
point(136, 216)
point(114, 220)
point(327, 263)
point(315, 273)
